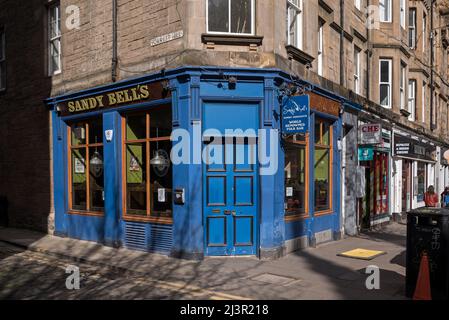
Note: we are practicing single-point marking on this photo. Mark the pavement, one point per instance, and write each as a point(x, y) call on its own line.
point(32, 266)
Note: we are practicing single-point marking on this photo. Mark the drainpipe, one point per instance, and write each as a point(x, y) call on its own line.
point(342, 42)
point(114, 41)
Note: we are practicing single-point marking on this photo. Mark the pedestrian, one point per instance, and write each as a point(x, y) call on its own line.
point(430, 197)
point(445, 198)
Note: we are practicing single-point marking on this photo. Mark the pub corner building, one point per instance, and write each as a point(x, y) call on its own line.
point(116, 183)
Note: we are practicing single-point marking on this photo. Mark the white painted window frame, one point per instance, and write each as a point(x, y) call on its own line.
point(402, 11)
point(385, 6)
point(402, 81)
point(389, 83)
point(357, 53)
point(412, 28)
point(299, 23)
point(253, 20)
point(320, 47)
point(423, 102)
point(51, 39)
point(412, 99)
point(424, 32)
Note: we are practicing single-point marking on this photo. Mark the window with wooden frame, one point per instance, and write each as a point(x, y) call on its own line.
point(86, 175)
point(323, 167)
point(147, 170)
point(296, 176)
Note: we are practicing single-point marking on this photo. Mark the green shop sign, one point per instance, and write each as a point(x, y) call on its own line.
point(366, 154)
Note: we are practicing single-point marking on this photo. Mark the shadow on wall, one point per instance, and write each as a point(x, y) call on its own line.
point(25, 186)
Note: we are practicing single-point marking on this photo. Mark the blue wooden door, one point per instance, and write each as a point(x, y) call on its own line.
point(230, 179)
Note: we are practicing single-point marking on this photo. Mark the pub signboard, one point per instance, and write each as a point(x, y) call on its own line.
point(410, 148)
point(295, 115)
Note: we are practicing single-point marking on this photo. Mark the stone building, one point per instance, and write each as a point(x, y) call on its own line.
point(108, 68)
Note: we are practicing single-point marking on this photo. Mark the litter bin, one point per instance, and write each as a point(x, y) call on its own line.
point(428, 231)
point(3, 211)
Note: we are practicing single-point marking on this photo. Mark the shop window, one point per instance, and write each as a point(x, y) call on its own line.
point(323, 166)
point(146, 165)
point(54, 38)
point(421, 185)
point(86, 177)
point(230, 16)
point(296, 178)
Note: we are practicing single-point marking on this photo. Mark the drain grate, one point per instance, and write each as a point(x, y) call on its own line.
point(274, 279)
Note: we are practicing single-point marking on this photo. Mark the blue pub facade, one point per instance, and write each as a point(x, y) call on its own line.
point(114, 182)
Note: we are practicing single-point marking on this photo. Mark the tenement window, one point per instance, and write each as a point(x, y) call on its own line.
point(385, 10)
point(402, 87)
point(323, 166)
point(385, 75)
point(86, 178)
point(54, 37)
point(231, 16)
point(357, 52)
point(294, 23)
point(320, 46)
point(296, 177)
point(412, 99)
point(402, 11)
point(412, 28)
point(147, 167)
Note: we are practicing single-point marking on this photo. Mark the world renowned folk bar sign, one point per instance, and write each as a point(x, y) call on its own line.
point(129, 96)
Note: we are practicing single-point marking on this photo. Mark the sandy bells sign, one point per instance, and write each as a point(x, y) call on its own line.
point(371, 133)
point(295, 115)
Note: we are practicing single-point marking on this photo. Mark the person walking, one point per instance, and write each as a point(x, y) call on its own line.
point(445, 198)
point(431, 198)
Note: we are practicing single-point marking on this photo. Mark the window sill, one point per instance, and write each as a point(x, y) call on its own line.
point(299, 55)
point(86, 213)
point(232, 39)
point(323, 213)
point(296, 217)
point(168, 221)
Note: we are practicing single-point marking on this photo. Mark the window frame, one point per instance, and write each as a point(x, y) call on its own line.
point(423, 101)
point(299, 23)
point(147, 140)
point(330, 147)
point(51, 39)
point(2, 57)
point(389, 83)
point(356, 63)
point(402, 12)
point(253, 21)
point(412, 99)
point(86, 147)
point(387, 5)
point(306, 145)
point(412, 30)
point(424, 32)
point(358, 4)
point(320, 51)
point(402, 81)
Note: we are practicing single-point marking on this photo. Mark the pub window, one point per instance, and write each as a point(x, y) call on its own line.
point(86, 176)
point(54, 38)
point(147, 167)
point(323, 166)
point(296, 175)
point(2, 59)
point(230, 16)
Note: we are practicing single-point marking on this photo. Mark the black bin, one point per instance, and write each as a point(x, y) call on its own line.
point(428, 231)
point(3, 211)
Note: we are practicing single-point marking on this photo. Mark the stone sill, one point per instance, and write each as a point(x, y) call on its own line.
point(232, 39)
point(299, 55)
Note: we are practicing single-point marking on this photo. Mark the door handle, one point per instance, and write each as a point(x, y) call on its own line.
point(227, 212)
point(233, 213)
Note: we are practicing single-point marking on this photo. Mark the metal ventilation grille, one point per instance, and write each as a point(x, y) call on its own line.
point(135, 236)
point(161, 239)
point(148, 237)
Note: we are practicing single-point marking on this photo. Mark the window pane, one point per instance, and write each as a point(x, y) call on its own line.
point(136, 179)
point(326, 134)
point(96, 178)
point(384, 71)
point(2, 75)
point(79, 201)
point(218, 15)
point(55, 54)
point(295, 172)
point(241, 16)
point(160, 122)
point(96, 131)
point(322, 182)
point(384, 95)
point(161, 179)
point(78, 134)
point(317, 132)
point(136, 127)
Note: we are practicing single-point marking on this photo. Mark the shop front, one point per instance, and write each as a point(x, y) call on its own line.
point(190, 164)
point(415, 160)
point(374, 162)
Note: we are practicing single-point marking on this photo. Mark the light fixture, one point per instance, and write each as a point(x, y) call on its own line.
point(96, 163)
point(160, 160)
